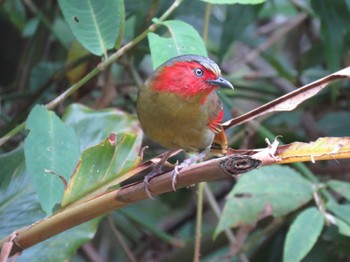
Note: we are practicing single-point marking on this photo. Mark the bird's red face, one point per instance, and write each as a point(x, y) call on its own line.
point(188, 78)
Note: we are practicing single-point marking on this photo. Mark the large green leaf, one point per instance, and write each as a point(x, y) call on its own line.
point(342, 211)
point(51, 150)
point(341, 187)
point(96, 24)
point(20, 207)
point(183, 39)
point(93, 126)
point(101, 164)
point(276, 188)
point(303, 234)
point(343, 227)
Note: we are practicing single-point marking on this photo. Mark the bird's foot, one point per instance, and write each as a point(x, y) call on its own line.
point(156, 171)
point(186, 163)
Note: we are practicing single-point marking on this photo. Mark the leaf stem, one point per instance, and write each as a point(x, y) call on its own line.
point(206, 22)
point(199, 218)
point(216, 209)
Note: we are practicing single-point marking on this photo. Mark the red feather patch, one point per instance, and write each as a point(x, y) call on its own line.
point(179, 78)
point(215, 125)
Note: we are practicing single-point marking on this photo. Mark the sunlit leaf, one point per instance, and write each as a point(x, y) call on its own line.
point(303, 234)
point(101, 164)
point(324, 148)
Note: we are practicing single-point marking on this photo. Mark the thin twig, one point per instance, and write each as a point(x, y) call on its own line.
point(120, 239)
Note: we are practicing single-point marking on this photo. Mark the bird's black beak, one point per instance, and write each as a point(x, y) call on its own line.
point(221, 82)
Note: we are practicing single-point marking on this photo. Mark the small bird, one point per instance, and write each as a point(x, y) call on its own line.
point(178, 108)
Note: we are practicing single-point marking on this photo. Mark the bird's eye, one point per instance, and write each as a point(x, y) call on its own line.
point(198, 72)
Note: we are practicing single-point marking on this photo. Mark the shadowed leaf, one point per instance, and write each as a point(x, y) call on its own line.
point(279, 187)
point(20, 207)
point(342, 188)
point(303, 234)
point(242, 2)
point(341, 211)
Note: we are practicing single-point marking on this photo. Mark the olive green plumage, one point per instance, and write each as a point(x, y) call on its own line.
point(178, 106)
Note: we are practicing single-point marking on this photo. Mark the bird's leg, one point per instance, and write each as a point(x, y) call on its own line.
point(186, 163)
point(156, 171)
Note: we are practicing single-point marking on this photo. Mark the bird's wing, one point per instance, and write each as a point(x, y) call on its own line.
point(216, 113)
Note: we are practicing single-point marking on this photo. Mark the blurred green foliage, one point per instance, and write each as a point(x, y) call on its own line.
point(266, 50)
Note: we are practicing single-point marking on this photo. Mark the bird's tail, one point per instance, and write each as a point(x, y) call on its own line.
point(219, 145)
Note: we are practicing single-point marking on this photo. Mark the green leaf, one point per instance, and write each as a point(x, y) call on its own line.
point(334, 17)
point(101, 164)
point(342, 188)
point(183, 39)
point(61, 247)
point(19, 207)
point(93, 126)
point(8, 165)
point(335, 123)
point(341, 211)
point(96, 24)
point(343, 227)
point(243, 2)
point(276, 188)
point(238, 18)
point(303, 234)
point(51, 150)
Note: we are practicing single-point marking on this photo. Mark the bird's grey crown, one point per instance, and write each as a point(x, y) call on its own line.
point(204, 61)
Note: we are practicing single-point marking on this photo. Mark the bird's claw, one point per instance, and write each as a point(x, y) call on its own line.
point(174, 175)
point(146, 186)
point(146, 181)
point(186, 163)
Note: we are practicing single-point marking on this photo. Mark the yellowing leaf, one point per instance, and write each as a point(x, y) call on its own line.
point(326, 148)
point(75, 52)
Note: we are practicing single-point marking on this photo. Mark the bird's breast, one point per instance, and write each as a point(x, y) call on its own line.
point(174, 121)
